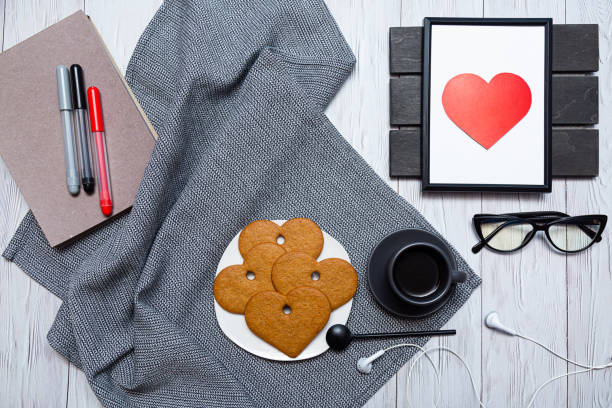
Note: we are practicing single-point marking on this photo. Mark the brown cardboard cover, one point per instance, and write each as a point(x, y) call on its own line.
point(31, 140)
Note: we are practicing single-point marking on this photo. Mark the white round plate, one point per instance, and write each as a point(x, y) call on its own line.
point(235, 328)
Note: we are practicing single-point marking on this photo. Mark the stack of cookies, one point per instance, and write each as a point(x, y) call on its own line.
point(285, 294)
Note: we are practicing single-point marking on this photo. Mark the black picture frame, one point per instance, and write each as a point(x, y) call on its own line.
point(427, 185)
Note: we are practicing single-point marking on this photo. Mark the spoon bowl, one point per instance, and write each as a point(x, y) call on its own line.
point(338, 337)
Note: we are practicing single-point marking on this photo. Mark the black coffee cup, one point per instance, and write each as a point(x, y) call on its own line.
point(420, 274)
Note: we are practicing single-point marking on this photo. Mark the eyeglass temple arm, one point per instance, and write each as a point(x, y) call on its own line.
point(592, 234)
point(478, 247)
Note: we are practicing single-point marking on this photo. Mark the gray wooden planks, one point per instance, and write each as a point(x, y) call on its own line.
point(406, 100)
point(31, 372)
point(405, 152)
point(575, 48)
point(575, 152)
point(589, 287)
point(575, 100)
point(446, 212)
point(405, 50)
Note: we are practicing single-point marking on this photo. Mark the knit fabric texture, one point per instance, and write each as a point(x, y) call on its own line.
point(236, 91)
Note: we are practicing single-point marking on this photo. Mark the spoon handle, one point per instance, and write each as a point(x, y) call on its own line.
point(407, 334)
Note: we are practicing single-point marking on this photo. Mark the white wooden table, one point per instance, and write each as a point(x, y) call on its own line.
point(565, 301)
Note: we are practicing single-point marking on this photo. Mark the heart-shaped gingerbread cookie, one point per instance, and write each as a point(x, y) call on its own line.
point(299, 234)
point(235, 284)
point(288, 322)
point(335, 277)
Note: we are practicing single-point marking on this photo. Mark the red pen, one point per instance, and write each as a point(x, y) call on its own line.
point(97, 131)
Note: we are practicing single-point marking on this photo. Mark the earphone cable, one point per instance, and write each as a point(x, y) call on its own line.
point(423, 353)
point(535, 394)
point(599, 367)
point(587, 368)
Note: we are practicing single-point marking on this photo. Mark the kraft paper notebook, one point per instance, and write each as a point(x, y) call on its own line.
point(31, 139)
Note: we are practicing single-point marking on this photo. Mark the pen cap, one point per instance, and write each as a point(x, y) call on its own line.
point(95, 109)
point(78, 87)
point(63, 88)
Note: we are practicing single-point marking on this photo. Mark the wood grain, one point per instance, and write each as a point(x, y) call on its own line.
point(406, 50)
point(2, 7)
point(574, 100)
point(406, 106)
point(363, 125)
point(405, 152)
point(575, 48)
point(357, 111)
point(450, 214)
point(528, 288)
point(30, 371)
point(121, 23)
point(589, 274)
point(575, 152)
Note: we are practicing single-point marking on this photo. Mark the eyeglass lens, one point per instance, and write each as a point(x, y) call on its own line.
point(574, 236)
point(508, 238)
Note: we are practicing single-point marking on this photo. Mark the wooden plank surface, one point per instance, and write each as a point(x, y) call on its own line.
point(2, 6)
point(450, 214)
point(575, 48)
point(406, 50)
point(575, 152)
point(536, 290)
point(522, 286)
point(406, 103)
point(31, 373)
point(363, 125)
point(30, 370)
point(589, 274)
point(575, 100)
point(405, 152)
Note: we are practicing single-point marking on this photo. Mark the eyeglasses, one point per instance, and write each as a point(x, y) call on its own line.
point(510, 232)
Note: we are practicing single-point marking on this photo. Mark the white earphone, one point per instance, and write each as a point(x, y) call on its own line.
point(364, 364)
point(493, 322)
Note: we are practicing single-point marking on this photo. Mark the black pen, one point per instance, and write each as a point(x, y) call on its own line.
point(80, 110)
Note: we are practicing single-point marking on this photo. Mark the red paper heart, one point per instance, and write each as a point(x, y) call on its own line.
point(486, 111)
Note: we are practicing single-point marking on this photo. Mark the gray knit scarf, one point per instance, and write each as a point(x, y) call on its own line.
point(236, 90)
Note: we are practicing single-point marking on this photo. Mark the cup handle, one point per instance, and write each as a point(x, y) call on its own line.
point(458, 276)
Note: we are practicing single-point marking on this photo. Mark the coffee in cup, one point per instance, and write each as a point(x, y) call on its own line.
point(420, 274)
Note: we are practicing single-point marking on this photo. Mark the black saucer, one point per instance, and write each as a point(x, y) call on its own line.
point(377, 272)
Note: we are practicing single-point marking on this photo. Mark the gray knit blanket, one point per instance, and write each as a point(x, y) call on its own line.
point(237, 92)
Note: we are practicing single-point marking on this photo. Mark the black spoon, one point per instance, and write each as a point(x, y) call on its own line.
point(339, 336)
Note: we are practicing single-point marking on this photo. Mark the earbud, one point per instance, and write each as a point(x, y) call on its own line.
point(364, 364)
point(492, 322)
